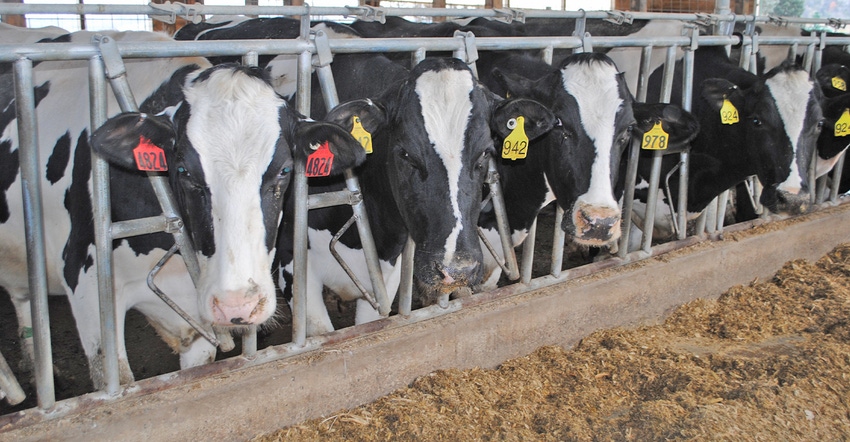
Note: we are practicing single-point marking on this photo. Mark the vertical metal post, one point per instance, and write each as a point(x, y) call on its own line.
point(528, 253)
point(102, 213)
point(684, 169)
point(499, 209)
point(558, 239)
point(34, 229)
point(405, 290)
point(249, 339)
point(299, 195)
point(836, 177)
point(629, 196)
point(643, 74)
point(9, 385)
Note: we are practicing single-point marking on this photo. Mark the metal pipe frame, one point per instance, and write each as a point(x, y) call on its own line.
point(23, 57)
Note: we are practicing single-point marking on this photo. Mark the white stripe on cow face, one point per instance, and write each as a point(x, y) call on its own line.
point(596, 90)
point(235, 148)
point(791, 91)
point(446, 109)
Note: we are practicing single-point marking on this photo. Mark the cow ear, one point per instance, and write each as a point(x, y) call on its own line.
point(681, 126)
point(116, 140)
point(370, 114)
point(514, 85)
point(311, 135)
point(715, 90)
point(538, 119)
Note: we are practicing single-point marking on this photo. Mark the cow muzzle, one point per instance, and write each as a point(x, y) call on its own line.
point(793, 203)
point(240, 307)
point(443, 280)
point(592, 225)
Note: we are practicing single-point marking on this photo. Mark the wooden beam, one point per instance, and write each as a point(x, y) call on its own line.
point(16, 20)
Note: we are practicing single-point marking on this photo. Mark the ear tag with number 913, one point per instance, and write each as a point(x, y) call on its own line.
point(839, 83)
point(515, 146)
point(319, 163)
point(655, 138)
point(728, 112)
point(842, 126)
point(149, 157)
point(362, 135)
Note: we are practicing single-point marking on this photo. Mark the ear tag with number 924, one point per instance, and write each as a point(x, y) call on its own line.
point(842, 126)
point(149, 157)
point(320, 162)
point(728, 112)
point(655, 138)
point(362, 135)
point(515, 146)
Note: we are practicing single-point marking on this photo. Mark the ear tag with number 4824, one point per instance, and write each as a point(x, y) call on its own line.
point(839, 83)
point(655, 138)
point(319, 163)
point(515, 146)
point(842, 126)
point(728, 112)
point(149, 157)
point(362, 135)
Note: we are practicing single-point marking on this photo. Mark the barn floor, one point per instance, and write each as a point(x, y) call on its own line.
point(270, 392)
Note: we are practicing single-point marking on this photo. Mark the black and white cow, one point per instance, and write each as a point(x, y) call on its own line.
point(226, 142)
point(835, 137)
point(766, 126)
point(432, 132)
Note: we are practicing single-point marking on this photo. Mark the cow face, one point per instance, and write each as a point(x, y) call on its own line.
point(432, 141)
point(590, 99)
point(780, 119)
point(227, 148)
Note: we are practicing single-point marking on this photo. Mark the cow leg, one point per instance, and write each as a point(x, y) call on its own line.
point(392, 278)
point(23, 310)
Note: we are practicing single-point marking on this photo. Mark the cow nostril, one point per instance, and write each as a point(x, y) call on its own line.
point(238, 321)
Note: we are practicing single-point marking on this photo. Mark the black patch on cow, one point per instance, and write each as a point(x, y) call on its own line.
point(79, 206)
point(251, 71)
point(58, 160)
point(8, 173)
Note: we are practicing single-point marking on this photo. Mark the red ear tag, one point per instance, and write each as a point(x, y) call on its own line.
point(319, 163)
point(149, 157)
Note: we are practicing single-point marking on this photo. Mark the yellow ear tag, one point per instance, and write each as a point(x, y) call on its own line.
point(655, 138)
point(361, 135)
point(515, 146)
point(839, 83)
point(728, 112)
point(842, 126)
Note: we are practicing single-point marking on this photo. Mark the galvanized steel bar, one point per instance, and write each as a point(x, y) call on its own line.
point(558, 240)
point(629, 196)
point(508, 257)
point(102, 220)
point(9, 386)
point(643, 73)
point(405, 289)
point(249, 338)
point(27, 123)
point(836, 177)
point(684, 156)
point(528, 253)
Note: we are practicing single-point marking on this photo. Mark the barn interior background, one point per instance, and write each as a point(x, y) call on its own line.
point(785, 8)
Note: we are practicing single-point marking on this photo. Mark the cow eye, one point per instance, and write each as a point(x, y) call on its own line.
point(821, 123)
point(482, 160)
point(756, 121)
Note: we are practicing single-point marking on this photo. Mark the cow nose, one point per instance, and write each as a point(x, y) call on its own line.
point(795, 203)
point(595, 225)
point(237, 308)
point(460, 273)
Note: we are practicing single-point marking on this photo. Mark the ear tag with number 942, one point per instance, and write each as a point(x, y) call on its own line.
point(839, 83)
point(842, 126)
point(320, 162)
point(728, 112)
point(362, 135)
point(149, 157)
point(515, 146)
point(655, 138)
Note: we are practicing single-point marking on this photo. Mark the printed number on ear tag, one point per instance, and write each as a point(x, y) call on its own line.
point(655, 138)
point(515, 146)
point(362, 135)
point(149, 157)
point(842, 126)
point(319, 163)
point(839, 83)
point(728, 112)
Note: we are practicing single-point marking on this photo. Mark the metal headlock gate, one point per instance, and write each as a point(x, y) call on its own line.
point(105, 58)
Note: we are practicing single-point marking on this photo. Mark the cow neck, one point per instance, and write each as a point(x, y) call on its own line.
point(525, 189)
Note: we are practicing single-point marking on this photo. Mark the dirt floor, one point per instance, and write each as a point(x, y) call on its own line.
point(766, 361)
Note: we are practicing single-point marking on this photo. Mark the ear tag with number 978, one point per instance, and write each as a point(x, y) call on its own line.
point(839, 83)
point(842, 126)
point(728, 112)
point(362, 135)
point(515, 146)
point(655, 138)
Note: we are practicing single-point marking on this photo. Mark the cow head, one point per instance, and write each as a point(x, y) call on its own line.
point(432, 143)
point(227, 147)
point(779, 120)
point(590, 98)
